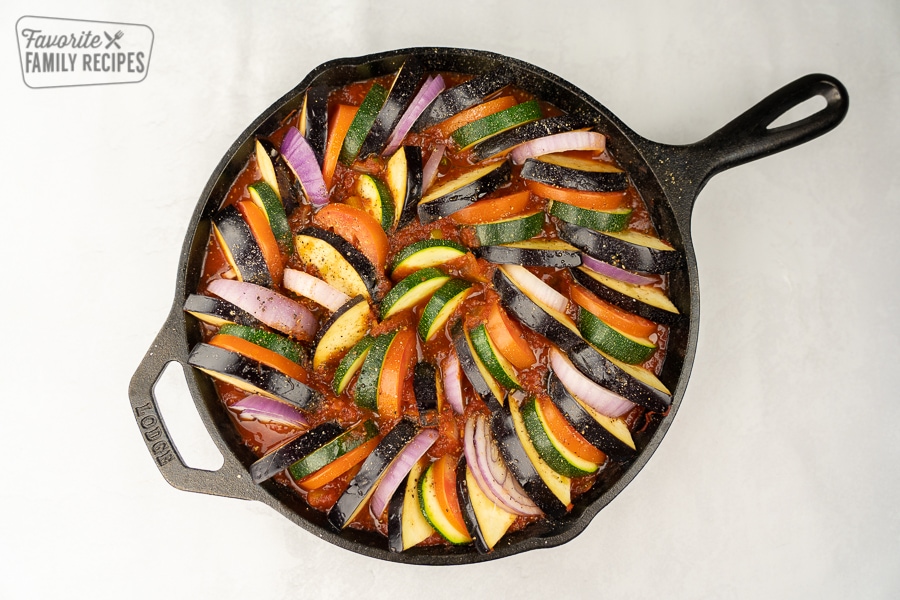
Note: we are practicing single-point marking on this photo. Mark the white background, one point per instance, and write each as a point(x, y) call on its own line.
point(780, 476)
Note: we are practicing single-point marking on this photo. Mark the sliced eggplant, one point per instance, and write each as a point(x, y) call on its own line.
point(370, 473)
point(333, 449)
point(314, 119)
point(487, 522)
point(482, 381)
point(278, 175)
point(404, 179)
point(251, 376)
point(643, 300)
point(580, 174)
point(407, 526)
point(401, 93)
point(609, 435)
point(287, 454)
point(395, 518)
point(520, 461)
point(524, 133)
point(459, 193)
point(337, 261)
point(461, 97)
point(346, 326)
point(218, 312)
point(425, 390)
point(627, 250)
point(532, 253)
point(240, 247)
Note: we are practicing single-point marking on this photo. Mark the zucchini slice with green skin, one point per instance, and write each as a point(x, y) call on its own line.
point(400, 94)
point(332, 450)
point(492, 359)
point(287, 454)
point(218, 312)
point(267, 339)
point(554, 453)
point(412, 290)
point(508, 231)
point(362, 123)
point(580, 174)
point(454, 195)
point(487, 523)
point(441, 306)
point(262, 195)
point(532, 253)
point(251, 376)
point(240, 247)
point(337, 262)
point(532, 130)
point(643, 300)
point(314, 119)
point(425, 253)
point(363, 484)
point(343, 329)
point(489, 126)
point(612, 436)
point(618, 344)
point(628, 250)
point(598, 220)
point(482, 381)
point(463, 96)
point(404, 179)
point(431, 508)
point(366, 392)
point(376, 200)
point(350, 364)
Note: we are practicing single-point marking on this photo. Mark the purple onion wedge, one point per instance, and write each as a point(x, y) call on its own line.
point(399, 469)
point(598, 266)
point(301, 159)
point(275, 310)
point(267, 410)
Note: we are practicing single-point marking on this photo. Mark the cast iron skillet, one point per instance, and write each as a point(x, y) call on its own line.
point(667, 177)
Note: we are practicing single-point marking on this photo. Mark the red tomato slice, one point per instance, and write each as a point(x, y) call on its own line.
point(357, 227)
point(610, 314)
point(398, 364)
point(508, 336)
point(486, 211)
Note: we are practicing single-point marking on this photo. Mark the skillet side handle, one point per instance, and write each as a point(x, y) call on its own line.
point(232, 479)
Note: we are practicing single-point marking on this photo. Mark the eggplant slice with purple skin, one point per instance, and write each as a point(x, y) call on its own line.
point(635, 301)
point(314, 119)
point(287, 454)
point(218, 312)
point(335, 257)
point(558, 175)
point(240, 247)
point(402, 91)
point(471, 186)
point(425, 391)
point(617, 250)
point(460, 97)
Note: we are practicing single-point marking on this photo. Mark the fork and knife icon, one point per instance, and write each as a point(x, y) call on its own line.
point(114, 39)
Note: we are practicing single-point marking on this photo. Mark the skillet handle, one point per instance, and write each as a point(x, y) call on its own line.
point(232, 479)
point(748, 137)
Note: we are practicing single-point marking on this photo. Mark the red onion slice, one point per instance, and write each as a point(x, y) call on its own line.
point(534, 286)
point(315, 289)
point(597, 397)
point(472, 459)
point(429, 171)
point(301, 159)
point(452, 383)
point(267, 410)
point(598, 266)
point(275, 310)
point(496, 475)
point(427, 93)
point(398, 469)
point(560, 142)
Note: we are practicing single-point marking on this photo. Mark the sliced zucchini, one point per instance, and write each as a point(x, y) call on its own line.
point(598, 220)
point(366, 392)
point(495, 363)
point(218, 312)
point(350, 364)
point(433, 512)
point(376, 200)
point(240, 248)
point(412, 290)
point(643, 300)
point(559, 484)
point(337, 261)
point(580, 174)
point(456, 194)
point(489, 126)
point(618, 344)
point(267, 339)
point(362, 123)
point(424, 253)
point(532, 253)
point(326, 454)
point(404, 179)
point(268, 201)
point(510, 230)
point(441, 306)
point(287, 454)
point(343, 329)
point(628, 250)
point(551, 450)
point(533, 130)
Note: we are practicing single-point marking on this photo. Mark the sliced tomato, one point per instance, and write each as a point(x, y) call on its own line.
point(566, 434)
point(579, 198)
point(508, 336)
point(262, 232)
point(445, 490)
point(357, 227)
point(338, 127)
point(448, 126)
point(398, 363)
point(260, 354)
point(494, 209)
point(339, 466)
point(610, 314)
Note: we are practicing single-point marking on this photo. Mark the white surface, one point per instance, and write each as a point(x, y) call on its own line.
point(779, 477)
